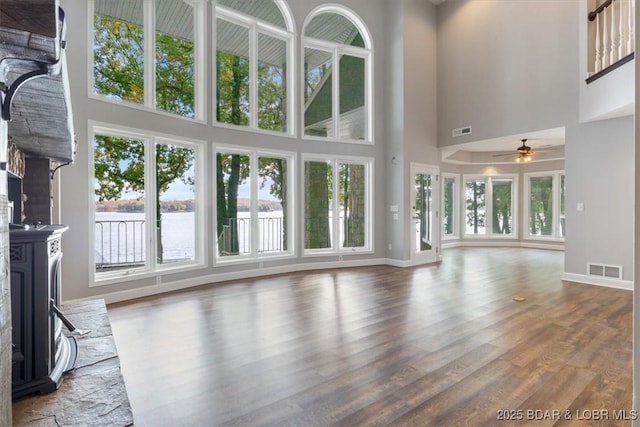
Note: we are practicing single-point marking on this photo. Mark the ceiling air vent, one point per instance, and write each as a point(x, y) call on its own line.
point(461, 131)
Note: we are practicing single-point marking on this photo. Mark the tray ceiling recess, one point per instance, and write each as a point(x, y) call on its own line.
point(34, 87)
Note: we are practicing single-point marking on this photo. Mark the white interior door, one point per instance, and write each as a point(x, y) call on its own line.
point(425, 206)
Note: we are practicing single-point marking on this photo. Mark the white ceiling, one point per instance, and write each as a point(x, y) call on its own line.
point(546, 144)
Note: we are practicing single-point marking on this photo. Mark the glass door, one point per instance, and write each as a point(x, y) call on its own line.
point(425, 224)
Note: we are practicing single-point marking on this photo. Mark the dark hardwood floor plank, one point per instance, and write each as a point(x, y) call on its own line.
point(430, 345)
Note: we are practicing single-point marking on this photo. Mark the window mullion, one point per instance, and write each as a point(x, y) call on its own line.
point(336, 206)
point(255, 221)
point(336, 94)
point(556, 204)
point(150, 203)
point(253, 77)
point(149, 43)
point(200, 89)
point(488, 206)
point(291, 85)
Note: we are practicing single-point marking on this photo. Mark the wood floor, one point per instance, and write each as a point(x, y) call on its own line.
point(426, 346)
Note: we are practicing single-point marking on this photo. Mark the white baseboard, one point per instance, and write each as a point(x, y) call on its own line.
point(398, 263)
point(598, 281)
point(505, 244)
point(163, 287)
point(159, 288)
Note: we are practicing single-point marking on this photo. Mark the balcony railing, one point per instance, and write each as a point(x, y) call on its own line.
point(611, 36)
point(235, 238)
point(121, 243)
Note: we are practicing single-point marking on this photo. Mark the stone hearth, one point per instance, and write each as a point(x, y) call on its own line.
point(93, 394)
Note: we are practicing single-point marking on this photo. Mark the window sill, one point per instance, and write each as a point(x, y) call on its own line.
point(259, 131)
point(106, 279)
point(336, 140)
point(141, 107)
point(248, 259)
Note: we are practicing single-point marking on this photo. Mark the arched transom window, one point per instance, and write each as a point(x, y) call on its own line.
point(337, 76)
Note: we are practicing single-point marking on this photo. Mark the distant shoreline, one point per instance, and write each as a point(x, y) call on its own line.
point(167, 206)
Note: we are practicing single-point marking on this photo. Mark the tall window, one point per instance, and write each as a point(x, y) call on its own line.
point(490, 206)
point(254, 81)
point(450, 195)
point(337, 205)
point(253, 204)
point(147, 203)
point(475, 206)
point(337, 76)
point(545, 205)
point(502, 202)
point(147, 53)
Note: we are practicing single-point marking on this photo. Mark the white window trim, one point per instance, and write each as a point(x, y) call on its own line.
point(151, 268)
point(456, 205)
point(254, 255)
point(335, 249)
point(337, 49)
point(555, 227)
point(200, 86)
point(488, 179)
point(256, 27)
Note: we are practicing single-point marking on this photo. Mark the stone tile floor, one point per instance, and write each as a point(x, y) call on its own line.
point(93, 394)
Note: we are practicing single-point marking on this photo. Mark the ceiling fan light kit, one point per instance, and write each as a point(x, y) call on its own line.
point(524, 153)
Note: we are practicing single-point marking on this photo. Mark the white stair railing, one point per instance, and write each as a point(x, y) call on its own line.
point(614, 33)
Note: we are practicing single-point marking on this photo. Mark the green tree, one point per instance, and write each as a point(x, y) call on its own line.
point(501, 217)
point(231, 171)
point(424, 191)
point(449, 194)
point(541, 206)
point(476, 204)
point(118, 59)
point(352, 202)
point(119, 167)
point(275, 170)
point(175, 75)
point(317, 195)
point(119, 73)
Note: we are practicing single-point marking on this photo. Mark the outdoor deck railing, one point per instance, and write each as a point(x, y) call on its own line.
point(270, 236)
point(120, 243)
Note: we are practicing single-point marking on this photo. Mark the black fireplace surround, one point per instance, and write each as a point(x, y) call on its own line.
point(42, 353)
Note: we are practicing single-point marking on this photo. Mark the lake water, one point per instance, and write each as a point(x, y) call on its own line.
point(120, 236)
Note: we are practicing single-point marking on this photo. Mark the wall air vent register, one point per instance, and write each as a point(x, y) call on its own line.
point(461, 131)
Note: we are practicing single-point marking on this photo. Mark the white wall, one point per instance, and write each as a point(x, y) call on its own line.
point(636, 239)
point(600, 170)
point(496, 76)
point(412, 122)
point(506, 67)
